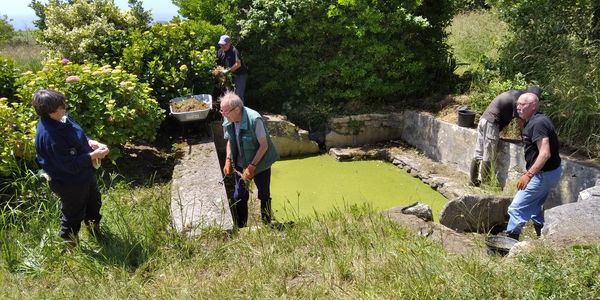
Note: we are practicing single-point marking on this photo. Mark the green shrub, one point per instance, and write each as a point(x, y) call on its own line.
point(18, 121)
point(490, 84)
point(175, 59)
point(78, 29)
point(6, 30)
point(558, 46)
point(321, 54)
point(110, 104)
point(8, 76)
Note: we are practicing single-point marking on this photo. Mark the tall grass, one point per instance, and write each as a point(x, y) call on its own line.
point(24, 50)
point(352, 252)
point(475, 37)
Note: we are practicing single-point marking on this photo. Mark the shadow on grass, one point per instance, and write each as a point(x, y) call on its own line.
point(116, 251)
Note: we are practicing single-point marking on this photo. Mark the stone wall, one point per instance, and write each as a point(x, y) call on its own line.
point(363, 129)
point(453, 145)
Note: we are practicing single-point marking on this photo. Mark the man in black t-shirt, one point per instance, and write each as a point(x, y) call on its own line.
point(496, 116)
point(543, 167)
point(229, 57)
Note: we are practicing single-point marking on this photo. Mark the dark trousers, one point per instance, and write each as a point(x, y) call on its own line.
point(239, 80)
point(239, 206)
point(79, 202)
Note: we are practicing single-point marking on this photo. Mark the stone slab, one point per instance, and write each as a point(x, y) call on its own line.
point(198, 197)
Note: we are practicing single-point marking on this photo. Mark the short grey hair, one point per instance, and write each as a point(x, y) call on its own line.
point(232, 99)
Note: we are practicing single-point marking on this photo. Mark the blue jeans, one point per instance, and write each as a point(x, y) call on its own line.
point(528, 203)
point(239, 206)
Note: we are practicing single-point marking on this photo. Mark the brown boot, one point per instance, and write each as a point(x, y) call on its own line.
point(474, 172)
point(486, 170)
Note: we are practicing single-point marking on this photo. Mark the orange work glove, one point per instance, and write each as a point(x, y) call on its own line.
point(227, 168)
point(524, 180)
point(249, 172)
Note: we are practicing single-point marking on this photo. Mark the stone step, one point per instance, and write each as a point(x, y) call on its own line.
point(198, 196)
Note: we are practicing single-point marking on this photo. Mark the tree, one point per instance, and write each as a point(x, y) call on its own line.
point(6, 29)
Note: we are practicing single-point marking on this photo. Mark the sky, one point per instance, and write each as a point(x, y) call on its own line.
point(22, 15)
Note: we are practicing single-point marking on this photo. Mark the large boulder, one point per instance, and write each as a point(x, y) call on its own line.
point(475, 213)
point(289, 139)
point(452, 241)
point(574, 223)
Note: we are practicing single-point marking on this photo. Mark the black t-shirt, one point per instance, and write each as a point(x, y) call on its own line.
point(538, 127)
point(228, 58)
point(503, 108)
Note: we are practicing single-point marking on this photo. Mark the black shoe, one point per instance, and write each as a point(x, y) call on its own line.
point(513, 235)
point(538, 229)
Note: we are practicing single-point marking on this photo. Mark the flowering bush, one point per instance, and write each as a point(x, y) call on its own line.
point(176, 59)
point(18, 121)
point(111, 105)
point(79, 29)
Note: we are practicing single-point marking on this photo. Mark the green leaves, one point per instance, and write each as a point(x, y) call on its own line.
point(175, 59)
point(327, 53)
point(110, 104)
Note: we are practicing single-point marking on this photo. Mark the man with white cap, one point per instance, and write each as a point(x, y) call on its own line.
point(229, 58)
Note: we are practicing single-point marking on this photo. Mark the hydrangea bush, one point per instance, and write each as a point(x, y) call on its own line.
point(18, 121)
point(110, 104)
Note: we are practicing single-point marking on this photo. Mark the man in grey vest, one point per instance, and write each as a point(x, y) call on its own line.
point(250, 154)
point(497, 115)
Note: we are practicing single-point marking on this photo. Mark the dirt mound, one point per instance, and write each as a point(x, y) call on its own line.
point(188, 105)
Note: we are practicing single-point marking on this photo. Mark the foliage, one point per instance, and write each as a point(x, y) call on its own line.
point(18, 121)
point(6, 29)
point(8, 75)
point(490, 84)
point(470, 5)
point(557, 43)
point(475, 37)
point(350, 253)
point(175, 59)
point(77, 29)
point(371, 51)
point(110, 104)
point(213, 11)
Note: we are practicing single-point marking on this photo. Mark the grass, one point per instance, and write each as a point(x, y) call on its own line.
point(350, 252)
point(475, 37)
point(24, 50)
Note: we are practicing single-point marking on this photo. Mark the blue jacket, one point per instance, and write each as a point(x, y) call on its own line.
point(63, 150)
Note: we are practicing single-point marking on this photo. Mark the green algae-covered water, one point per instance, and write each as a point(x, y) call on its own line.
point(301, 186)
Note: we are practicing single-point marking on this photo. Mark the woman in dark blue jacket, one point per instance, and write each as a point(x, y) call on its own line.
point(69, 158)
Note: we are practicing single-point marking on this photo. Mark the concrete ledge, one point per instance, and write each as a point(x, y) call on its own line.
point(453, 146)
point(198, 197)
